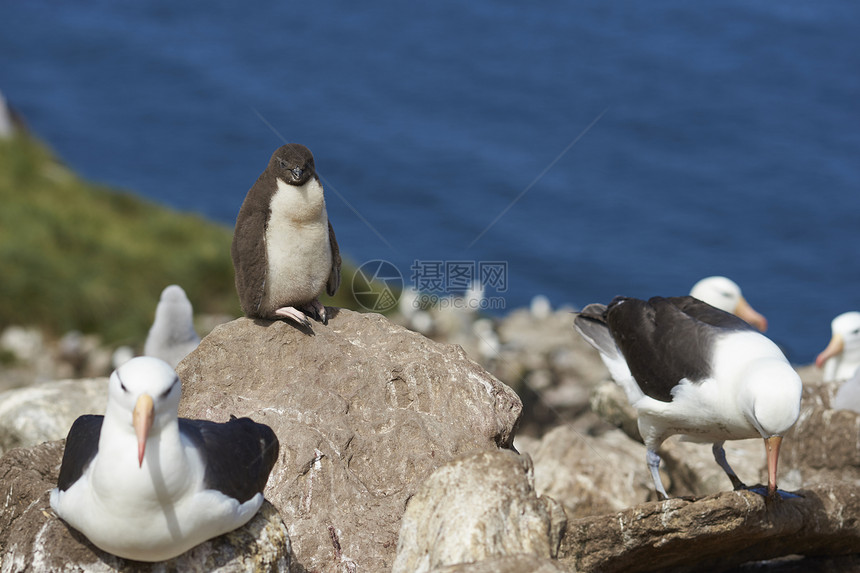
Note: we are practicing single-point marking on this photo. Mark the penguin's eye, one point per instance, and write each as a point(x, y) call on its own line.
point(282, 163)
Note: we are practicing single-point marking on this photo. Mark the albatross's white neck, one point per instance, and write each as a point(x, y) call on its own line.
point(167, 470)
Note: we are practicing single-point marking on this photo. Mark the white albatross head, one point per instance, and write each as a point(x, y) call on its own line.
point(843, 351)
point(725, 294)
point(143, 397)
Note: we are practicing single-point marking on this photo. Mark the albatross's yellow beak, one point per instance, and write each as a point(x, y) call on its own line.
point(144, 412)
point(771, 444)
point(836, 346)
point(750, 315)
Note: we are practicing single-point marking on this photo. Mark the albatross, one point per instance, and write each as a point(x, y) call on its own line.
point(841, 359)
point(143, 484)
point(172, 336)
point(725, 294)
point(691, 369)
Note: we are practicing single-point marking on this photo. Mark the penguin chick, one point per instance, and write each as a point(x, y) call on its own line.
point(284, 249)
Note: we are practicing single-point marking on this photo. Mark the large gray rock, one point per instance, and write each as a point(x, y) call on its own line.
point(508, 564)
point(45, 412)
point(33, 538)
point(824, 446)
point(591, 475)
point(365, 410)
point(716, 533)
point(476, 507)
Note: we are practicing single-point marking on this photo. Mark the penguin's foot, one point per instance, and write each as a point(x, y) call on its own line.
point(319, 310)
point(295, 314)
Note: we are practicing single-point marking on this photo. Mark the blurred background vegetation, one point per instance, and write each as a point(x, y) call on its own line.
point(80, 256)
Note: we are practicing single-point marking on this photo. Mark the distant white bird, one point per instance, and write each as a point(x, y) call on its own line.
point(172, 336)
point(473, 298)
point(848, 395)
point(841, 358)
point(725, 294)
point(489, 345)
point(121, 355)
point(409, 306)
point(409, 302)
point(7, 120)
point(540, 307)
point(691, 369)
point(143, 484)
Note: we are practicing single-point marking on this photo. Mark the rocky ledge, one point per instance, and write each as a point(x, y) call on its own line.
point(396, 454)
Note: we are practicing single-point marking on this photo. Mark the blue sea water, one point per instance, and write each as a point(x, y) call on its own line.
point(595, 148)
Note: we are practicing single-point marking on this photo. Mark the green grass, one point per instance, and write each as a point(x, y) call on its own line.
point(79, 256)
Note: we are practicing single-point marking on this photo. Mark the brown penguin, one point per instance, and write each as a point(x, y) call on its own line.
point(284, 249)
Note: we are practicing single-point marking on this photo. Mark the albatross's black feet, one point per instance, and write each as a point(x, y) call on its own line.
point(738, 484)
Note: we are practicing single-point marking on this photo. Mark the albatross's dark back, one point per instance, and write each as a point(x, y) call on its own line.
point(82, 445)
point(665, 340)
point(239, 454)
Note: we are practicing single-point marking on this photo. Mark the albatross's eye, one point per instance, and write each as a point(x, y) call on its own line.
point(170, 388)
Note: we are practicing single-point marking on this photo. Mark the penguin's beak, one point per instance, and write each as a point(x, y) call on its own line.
point(750, 315)
point(836, 346)
point(297, 173)
point(772, 444)
point(144, 412)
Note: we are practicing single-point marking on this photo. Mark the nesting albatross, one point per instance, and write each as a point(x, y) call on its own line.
point(691, 369)
point(143, 484)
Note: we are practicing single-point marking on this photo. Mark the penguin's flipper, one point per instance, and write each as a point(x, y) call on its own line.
point(334, 276)
point(248, 251)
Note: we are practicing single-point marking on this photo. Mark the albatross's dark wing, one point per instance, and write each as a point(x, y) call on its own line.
point(238, 454)
point(665, 340)
point(82, 445)
point(708, 314)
